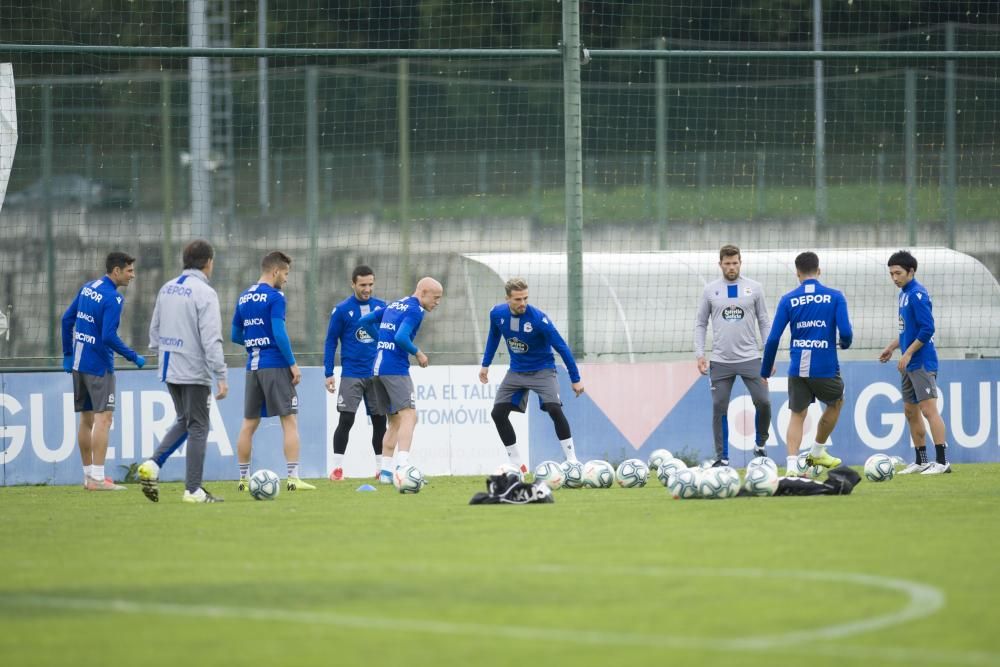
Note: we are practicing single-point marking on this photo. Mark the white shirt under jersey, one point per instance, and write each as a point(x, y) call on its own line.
point(738, 312)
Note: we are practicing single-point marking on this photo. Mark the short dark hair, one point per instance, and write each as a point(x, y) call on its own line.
point(275, 260)
point(197, 254)
point(361, 270)
point(118, 260)
point(729, 250)
point(807, 263)
point(904, 259)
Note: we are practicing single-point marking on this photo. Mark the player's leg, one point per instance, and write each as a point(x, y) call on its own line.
point(102, 394)
point(546, 385)
point(925, 389)
point(85, 438)
point(253, 410)
point(195, 400)
point(84, 435)
point(378, 435)
point(800, 397)
point(149, 470)
point(407, 418)
point(915, 420)
point(292, 447)
point(721, 377)
point(511, 395)
point(831, 392)
point(761, 398)
point(389, 449)
point(348, 399)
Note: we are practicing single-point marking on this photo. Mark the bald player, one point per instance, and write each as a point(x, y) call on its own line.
point(395, 328)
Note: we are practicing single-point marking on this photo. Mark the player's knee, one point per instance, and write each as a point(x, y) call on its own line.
point(346, 420)
point(501, 413)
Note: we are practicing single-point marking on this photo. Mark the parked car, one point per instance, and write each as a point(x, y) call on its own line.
point(71, 190)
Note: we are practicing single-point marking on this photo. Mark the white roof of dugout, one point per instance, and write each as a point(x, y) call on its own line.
point(641, 306)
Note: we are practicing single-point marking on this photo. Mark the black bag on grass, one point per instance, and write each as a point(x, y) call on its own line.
point(840, 482)
point(509, 489)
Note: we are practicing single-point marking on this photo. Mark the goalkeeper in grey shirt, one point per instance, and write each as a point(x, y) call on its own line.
point(735, 306)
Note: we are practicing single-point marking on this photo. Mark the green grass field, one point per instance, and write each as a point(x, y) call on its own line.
point(899, 573)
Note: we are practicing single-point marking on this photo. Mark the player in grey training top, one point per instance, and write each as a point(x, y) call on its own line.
point(735, 305)
point(186, 331)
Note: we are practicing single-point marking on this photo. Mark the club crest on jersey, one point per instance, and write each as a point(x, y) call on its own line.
point(747, 291)
point(733, 313)
point(527, 327)
point(517, 346)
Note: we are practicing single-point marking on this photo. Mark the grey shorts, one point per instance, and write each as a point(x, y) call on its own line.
point(269, 393)
point(394, 392)
point(919, 385)
point(515, 387)
point(93, 393)
point(352, 390)
point(803, 391)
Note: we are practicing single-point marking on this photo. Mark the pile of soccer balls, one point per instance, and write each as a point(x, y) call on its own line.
point(595, 474)
point(682, 482)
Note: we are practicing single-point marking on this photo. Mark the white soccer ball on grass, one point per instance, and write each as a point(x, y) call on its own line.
point(264, 485)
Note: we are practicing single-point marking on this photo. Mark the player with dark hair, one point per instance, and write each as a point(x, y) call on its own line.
point(396, 327)
point(815, 313)
point(530, 338)
point(357, 357)
point(186, 331)
point(918, 366)
point(89, 340)
point(736, 307)
point(272, 373)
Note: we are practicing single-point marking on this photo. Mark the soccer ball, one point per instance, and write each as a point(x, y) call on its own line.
point(632, 473)
point(761, 480)
point(598, 474)
point(802, 468)
point(879, 468)
point(509, 469)
point(668, 468)
point(572, 474)
point(711, 484)
point(407, 479)
point(730, 482)
point(764, 461)
point(657, 458)
point(264, 485)
point(683, 484)
point(551, 473)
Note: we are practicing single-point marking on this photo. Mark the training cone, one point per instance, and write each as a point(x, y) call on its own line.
point(366, 487)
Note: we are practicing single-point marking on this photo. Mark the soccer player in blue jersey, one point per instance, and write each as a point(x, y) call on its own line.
point(90, 340)
point(917, 366)
point(395, 327)
point(357, 357)
point(530, 337)
point(272, 373)
point(736, 307)
point(815, 314)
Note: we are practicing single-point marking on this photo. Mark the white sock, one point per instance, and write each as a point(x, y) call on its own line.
point(514, 456)
point(378, 462)
point(293, 469)
point(338, 461)
point(87, 471)
point(793, 464)
point(568, 450)
point(817, 450)
point(97, 472)
point(244, 470)
point(402, 458)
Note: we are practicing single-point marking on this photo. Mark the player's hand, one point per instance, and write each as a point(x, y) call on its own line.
point(577, 387)
point(296, 374)
point(484, 374)
point(68, 363)
point(331, 384)
point(223, 390)
point(703, 365)
point(140, 361)
point(904, 361)
point(886, 355)
point(422, 359)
